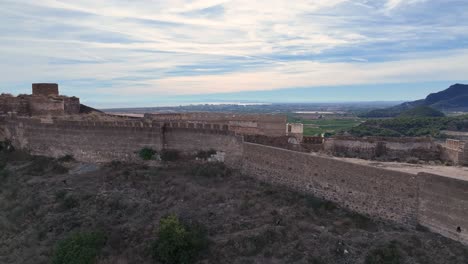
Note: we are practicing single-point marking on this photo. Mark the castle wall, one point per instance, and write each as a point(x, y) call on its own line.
point(115, 140)
point(9, 103)
point(71, 105)
point(383, 148)
point(379, 193)
point(437, 202)
point(40, 105)
point(443, 206)
point(250, 124)
point(86, 141)
point(191, 140)
point(455, 151)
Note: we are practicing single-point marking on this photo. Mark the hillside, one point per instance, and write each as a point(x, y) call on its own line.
point(410, 126)
point(112, 213)
point(452, 99)
point(422, 111)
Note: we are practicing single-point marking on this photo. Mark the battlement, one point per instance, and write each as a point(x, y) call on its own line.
point(391, 195)
point(245, 124)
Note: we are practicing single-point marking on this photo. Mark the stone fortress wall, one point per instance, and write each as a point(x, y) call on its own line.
point(455, 151)
point(104, 141)
point(437, 202)
point(372, 191)
point(401, 197)
point(251, 124)
point(44, 100)
point(385, 148)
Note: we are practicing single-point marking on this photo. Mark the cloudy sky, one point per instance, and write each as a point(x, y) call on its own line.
point(153, 52)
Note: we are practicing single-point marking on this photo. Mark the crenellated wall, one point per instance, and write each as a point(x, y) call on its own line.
point(379, 193)
point(103, 141)
point(437, 202)
point(443, 206)
point(383, 148)
point(194, 139)
point(246, 124)
point(85, 140)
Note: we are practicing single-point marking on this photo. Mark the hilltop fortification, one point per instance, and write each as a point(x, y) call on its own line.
point(44, 100)
point(438, 202)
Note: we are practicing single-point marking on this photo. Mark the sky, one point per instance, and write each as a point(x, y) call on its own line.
point(118, 53)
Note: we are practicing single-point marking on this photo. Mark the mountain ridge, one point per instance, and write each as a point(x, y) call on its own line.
point(453, 98)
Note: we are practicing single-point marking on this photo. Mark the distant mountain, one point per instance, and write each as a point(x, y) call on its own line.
point(453, 98)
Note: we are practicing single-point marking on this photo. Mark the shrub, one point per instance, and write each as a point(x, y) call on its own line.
point(210, 170)
point(66, 158)
point(79, 248)
point(319, 204)
point(147, 153)
point(389, 254)
point(6, 146)
point(177, 242)
point(362, 221)
point(41, 165)
point(170, 155)
point(68, 201)
point(205, 154)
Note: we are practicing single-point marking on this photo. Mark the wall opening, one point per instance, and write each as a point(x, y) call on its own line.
point(459, 229)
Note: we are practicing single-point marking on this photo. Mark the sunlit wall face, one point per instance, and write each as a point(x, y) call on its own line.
point(147, 51)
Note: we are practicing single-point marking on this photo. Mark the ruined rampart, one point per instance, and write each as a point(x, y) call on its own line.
point(245, 124)
point(443, 206)
point(372, 191)
point(192, 140)
point(389, 149)
point(104, 141)
point(455, 151)
point(85, 140)
point(439, 203)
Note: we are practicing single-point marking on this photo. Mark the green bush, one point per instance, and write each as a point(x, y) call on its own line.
point(177, 242)
point(147, 153)
point(170, 155)
point(388, 254)
point(210, 170)
point(410, 126)
point(79, 248)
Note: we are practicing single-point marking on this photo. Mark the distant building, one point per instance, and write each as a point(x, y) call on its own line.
point(44, 100)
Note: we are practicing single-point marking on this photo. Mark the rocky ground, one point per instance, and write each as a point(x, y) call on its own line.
point(42, 201)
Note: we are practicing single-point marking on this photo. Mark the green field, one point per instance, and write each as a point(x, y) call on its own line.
point(321, 126)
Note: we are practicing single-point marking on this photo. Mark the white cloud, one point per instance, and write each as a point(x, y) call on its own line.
point(174, 47)
point(392, 4)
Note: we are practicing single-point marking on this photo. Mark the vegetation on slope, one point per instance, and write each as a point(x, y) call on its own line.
point(410, 126)
point(245, 221)
point(422, 111)
point(177, 242)
point(79, 248)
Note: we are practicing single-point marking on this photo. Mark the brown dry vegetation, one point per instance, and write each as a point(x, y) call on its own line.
point(42, 201)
